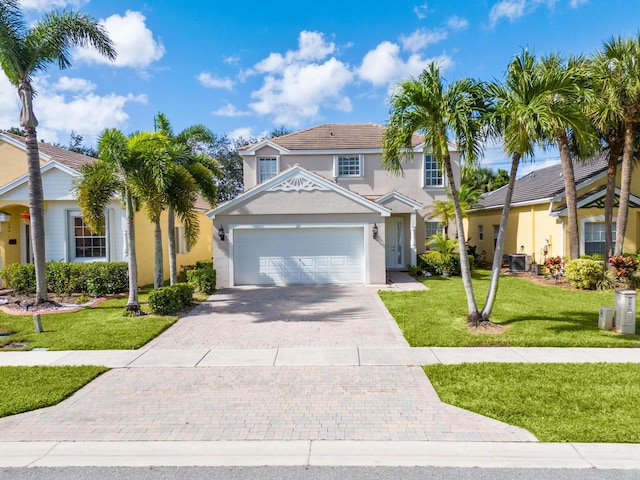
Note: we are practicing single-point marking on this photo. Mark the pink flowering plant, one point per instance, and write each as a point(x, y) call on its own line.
point(625, 265)
point(555, 266)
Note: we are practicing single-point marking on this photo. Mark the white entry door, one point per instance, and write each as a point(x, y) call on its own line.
point(267, 256)
point(394, 242)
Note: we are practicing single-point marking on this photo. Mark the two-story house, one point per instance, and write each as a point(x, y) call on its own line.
point(318, 207)
point(67, 237)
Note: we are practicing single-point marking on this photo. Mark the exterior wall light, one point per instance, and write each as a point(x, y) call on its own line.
point(221, 233)
point(375, 231)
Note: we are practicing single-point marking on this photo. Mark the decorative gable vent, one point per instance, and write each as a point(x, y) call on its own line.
point(298, 183)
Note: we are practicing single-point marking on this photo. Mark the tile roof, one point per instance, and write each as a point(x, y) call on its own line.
point(70, 159)
point(337, 136)
point(543, 184)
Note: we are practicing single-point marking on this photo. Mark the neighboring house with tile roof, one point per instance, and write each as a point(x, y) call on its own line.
point(537, 218)
point(319, 207)
point(67, 238)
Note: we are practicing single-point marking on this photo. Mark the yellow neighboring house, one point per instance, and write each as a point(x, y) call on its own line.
point(67, 238)
point(537, 219)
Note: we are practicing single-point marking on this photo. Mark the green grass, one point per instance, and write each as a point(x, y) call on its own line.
point(536, 315)
point(555, 402)
point(103, 327)
point(28, 388)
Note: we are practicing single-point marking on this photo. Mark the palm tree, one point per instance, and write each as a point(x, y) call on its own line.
point(424, 105)
point(189, 143)
point(24, 51)
point(118, 170)
point(523, 116)
point(445, 211)
point(571, 128)
point(618, 72)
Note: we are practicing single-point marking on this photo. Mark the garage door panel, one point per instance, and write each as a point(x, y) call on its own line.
point(302, 255)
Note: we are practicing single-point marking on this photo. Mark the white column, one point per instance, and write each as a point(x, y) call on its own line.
point(414, 251)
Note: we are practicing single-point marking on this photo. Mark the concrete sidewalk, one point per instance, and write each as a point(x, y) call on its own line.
point(298, 356)
point(320, 453)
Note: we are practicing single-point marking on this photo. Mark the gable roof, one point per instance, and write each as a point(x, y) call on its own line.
point(595, 198)
point(333, 136)
point(401, 198)
point(546, 184)
point(48, 152)
point(298, 178)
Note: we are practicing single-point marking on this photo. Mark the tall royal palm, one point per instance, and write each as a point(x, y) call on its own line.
point(24, 51)
point(522, 116)
point(203, 170)
point(571, 129)
point(618, 65)
point(120, 171)
point(442, 114)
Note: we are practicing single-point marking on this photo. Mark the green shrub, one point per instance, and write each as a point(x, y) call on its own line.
point(164, 300)
point(20, 277)
point(203, 279)
point(185, 294)
point(106, 278)
point(204, 264)
point(65, 278)
point(584, 273)
point(427, 263)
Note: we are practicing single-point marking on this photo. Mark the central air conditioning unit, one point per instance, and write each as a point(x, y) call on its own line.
point(519, 263)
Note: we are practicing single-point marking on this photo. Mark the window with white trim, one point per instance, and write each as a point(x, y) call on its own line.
point(86, 245)
point(182, 246)
point(267, 168)
point(348, 165)
point(480, 232)
point(432, 172)
point(593, 234)
point(432, 228)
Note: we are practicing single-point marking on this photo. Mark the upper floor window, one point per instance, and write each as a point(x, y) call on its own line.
point(85, 244)
point(432, 228)
point(267, 168)
point(348, 166)
point(432, 173)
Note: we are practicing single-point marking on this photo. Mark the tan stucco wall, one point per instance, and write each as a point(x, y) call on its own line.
point(145, 254)
point(376, 266)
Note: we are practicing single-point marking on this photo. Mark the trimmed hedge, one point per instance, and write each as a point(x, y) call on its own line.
point(203, 279)
point(168, 300)
point(96, 279)
point(584, 273)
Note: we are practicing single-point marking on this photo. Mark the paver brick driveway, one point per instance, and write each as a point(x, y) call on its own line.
point(270, 317)
point(310, 402)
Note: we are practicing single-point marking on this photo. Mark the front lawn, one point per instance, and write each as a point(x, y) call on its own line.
point(555, 402)
point(103, 327)
point(29, 388)
point(535, 315)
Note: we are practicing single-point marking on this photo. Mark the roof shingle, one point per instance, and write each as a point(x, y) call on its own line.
point(65, 157)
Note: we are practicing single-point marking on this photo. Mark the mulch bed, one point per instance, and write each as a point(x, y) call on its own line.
point(25, 305)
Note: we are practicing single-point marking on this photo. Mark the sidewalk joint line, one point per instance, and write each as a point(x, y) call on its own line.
point(202, 358)
point(46, 454)
point(275, 359)
point(582, 456)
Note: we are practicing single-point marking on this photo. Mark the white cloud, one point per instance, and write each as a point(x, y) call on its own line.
point(421, 11)
point(65, 105)
point(383, 65)
point(132, 40)
point(230, 110)
point(298, 84)
point(421, 38)
point(457, 23)
point(210, 81)
point(231, 60)
point(245, 133)
point(510, 9)
point(46, 5)
point(577, 3)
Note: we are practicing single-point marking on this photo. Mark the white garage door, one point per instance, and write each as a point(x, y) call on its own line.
point(265, 256)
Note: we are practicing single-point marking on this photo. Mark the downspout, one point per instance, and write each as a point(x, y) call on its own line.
point(533, 233)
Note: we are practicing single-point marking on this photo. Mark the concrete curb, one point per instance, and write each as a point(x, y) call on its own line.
point(320, 453)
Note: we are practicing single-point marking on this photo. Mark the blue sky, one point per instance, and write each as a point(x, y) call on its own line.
point(245, 69)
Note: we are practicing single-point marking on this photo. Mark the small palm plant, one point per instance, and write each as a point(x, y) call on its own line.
point(441, 250)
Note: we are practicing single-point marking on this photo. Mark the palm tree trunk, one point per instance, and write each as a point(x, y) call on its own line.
point(497, 258)
point(133, 305)
point(36, 213)
point(570, 194)
point(615, 149)
point(473, 316)
point(158, 279)
point(171, 241)
point(625, 186)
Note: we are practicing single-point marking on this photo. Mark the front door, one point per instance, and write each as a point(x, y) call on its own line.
point(394, 242)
